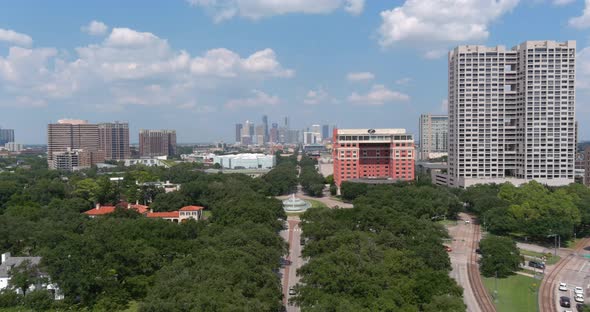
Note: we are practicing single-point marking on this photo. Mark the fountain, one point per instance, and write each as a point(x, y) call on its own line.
point(294, 204)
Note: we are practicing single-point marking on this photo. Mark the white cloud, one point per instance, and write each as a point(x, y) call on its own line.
point(419, 21)
point(378, 95)
point(403, 81)
point(435, 54)
point(582, 21)
point(14, 37)
point(130, 68)
point(256, 9)
point(315, 97)
point(360, 76)
point(562, 2)
point(95, 28)
point(259, 99)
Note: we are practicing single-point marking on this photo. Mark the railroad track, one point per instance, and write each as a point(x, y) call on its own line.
point(479, 291)
point(547, 300)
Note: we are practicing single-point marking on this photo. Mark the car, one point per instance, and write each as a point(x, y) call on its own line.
point(579, 298)
point(467, 221)
point(565, 302)
point(580, 307)
point(537, 264)
point(448, 249)
point(292, 291)
point(563, 286)
point(579, 291)
point(478, 251)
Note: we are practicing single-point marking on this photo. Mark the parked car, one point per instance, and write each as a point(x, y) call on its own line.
point(580, 307)
point(565, 302)
point(579, 298)
point(448, 249)
point(537, 264)
point(563, 286)
point(292, 291)
point(579, 291)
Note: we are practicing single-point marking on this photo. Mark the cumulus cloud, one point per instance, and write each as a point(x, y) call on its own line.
point(16, 38)
point(315, 97)
point(441, 20)
point(378, 95)
point(130, 68)
point(582, 21)
point(360, 76)
point(95, 28)
point(256, 9)
point(259, 99)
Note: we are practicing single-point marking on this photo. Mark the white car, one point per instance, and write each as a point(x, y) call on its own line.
point(563, 286)
point(579, 291)
point(579, 298)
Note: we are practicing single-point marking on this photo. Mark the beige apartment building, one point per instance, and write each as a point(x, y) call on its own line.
point(71, 134)
point(512, 113)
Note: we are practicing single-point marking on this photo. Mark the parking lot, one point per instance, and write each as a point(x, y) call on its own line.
point(575, 274)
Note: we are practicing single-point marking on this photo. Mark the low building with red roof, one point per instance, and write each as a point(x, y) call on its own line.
point(184, 213)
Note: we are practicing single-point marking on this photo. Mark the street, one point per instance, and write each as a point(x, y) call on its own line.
point(462, 235)
point(289, 279)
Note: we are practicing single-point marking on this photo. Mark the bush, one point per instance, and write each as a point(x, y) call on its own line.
point(333, 189)
point(38, 300)
point(9, 298)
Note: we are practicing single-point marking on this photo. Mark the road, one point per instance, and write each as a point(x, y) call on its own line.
point(573, 269)
point(289, 279)
point(465, 238)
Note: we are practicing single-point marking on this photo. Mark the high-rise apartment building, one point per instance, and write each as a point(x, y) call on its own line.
point(511, 113)
point(113, 138)
point(6, 136)
point(71, 134)
point(586, 163)
point(154, 143)
point(373, 154)
point(239, 132)
point(433, 131)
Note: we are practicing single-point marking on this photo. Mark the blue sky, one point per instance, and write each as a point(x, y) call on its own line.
point(200, 66)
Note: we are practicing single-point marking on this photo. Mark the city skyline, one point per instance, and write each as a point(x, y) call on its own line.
point(352, 66)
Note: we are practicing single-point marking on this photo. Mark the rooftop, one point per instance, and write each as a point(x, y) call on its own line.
point(366, 131)
point(8, 262)
point(170, 214)
point(191, 208)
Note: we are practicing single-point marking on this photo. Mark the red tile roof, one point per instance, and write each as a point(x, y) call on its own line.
point(171, 214)
point(103, 210)
point(140, 208)
point(191, 208)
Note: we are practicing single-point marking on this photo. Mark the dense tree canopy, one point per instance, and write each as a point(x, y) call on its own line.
point(500, 256)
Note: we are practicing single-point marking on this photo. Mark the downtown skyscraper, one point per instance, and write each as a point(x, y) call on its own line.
point(512, 113)
point(113, 140)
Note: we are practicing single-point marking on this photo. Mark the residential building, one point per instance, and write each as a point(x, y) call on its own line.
point(239, 132)
point(511, 114)
point(8, 262)
point(373, 154)
point(587, 166)
point(433, 131)
point(6, 136)
point(179, 216)
point(100, 210)
point(113, 140)
point(68, 135)
point(246, 161)
point(154, 143)
point(13, 147)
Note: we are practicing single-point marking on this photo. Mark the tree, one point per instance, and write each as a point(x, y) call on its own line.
point(500, 256)
point(87, 189)
point(24, 275)
point(169, 201)
point(351, 190)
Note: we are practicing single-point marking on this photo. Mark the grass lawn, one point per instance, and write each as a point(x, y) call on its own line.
point(516, 293)
point(447, 222)
point(316, 203)
point(551, 259)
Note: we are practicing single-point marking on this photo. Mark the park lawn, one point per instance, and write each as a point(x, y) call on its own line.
point(516, 293)
point(316, 203)
point(550, 260)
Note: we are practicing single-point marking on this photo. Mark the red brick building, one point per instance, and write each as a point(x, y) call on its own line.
point(373, 154)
